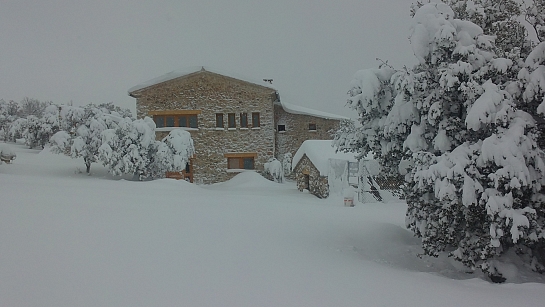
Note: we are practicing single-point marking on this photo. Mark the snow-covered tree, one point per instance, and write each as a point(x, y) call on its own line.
point(39, 130)
point(81, 134)
point(453, 127)
point(8, 114)
point(131, 148)
point(173, 153)
point(31, 106)
point(16, 129)
point(499, 18)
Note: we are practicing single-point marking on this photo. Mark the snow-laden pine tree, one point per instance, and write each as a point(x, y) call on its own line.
point(452, 126)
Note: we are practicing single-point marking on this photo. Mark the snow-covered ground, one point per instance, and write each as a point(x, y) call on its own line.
point(68, 239)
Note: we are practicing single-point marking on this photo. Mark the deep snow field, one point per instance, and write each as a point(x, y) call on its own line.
point(68, 239)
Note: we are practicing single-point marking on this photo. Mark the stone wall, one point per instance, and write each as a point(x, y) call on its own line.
point(297, 130)
point(212, 93)
point(318, 184)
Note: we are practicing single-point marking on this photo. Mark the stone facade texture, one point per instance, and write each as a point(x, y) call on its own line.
point(317, 184)
point(211, 93)
point(297, 130)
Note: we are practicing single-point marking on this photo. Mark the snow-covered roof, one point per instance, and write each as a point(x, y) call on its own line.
point(295, 109)
point(320, 152)
point(288, 107)
point(190, 70)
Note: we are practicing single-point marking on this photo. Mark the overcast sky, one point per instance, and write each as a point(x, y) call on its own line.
point(94, 51)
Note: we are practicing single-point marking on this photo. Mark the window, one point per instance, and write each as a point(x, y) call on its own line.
point(193, 121)
point(182, 120)
point(241, 160)
point(255, 120)
point(312, 127)
point(176, 118)
point(189, 121)
point(159, 121)
point(281, 128)
point(243, 120)
point(219, 120)
point(231, 119)
point(240, 163)
point(170, 121)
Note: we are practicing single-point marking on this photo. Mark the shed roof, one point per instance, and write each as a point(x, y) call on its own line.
point(295, 109)
point(319, 153)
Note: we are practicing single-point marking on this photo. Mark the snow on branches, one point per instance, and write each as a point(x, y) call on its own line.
point(131, 148)
point(457, 128)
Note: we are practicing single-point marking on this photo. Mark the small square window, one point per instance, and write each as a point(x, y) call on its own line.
point(255, 120)
point(219, 120)
point(231, 119)
point(312, 127)
point(281, 128)
point(244, 120)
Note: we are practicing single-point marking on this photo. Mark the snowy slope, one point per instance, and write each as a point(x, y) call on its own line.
point(67, 239)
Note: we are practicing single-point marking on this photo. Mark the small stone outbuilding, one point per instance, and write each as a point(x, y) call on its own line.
point(319, 169)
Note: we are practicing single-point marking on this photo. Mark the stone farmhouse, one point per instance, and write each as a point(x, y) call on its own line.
point(236, 124)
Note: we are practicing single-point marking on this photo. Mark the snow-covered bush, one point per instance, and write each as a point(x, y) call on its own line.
point(275, 169)
point(454, 127)
point(286, 163)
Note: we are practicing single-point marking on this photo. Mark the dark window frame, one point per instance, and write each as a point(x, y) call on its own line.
point(281, 128)
point(219, 120)
point(256, 120)
point(242, 162)
point(191, 121)
point(231, 120)
point(243, 120)
point(312, 127)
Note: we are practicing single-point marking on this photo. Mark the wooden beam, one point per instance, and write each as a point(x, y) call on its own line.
point(241, 155)
point(175, 112)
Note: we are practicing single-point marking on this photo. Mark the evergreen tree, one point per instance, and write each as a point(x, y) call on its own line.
point(452, 125)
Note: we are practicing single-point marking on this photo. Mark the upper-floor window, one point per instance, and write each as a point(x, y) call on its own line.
point(219, 120)
point(231, 120)
point(255, 120)
point(312, 127)
point(176, 118)
point(281, 128)
point(243, 120)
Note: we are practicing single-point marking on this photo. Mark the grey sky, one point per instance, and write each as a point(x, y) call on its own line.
point(94, 51)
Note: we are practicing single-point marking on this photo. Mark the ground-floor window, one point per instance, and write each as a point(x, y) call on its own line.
point(241, 160)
